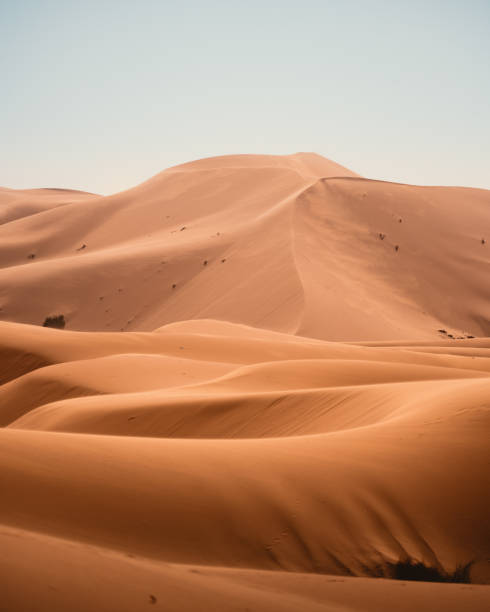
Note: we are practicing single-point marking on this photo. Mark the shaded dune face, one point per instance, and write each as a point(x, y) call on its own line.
point(294, 413)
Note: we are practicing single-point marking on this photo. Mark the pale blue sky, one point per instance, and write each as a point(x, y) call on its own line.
point(100, 95)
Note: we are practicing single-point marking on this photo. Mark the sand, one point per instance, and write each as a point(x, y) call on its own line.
point(258, 402)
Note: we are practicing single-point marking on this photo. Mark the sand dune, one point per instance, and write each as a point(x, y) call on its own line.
point(272, 242)
point(296, 411)
point(89, 573)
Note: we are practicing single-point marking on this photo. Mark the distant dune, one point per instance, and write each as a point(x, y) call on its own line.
point(296, 417)
point(296, 244)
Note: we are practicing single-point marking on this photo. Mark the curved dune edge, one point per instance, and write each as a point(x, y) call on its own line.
point(73, 576)
point(247, 449)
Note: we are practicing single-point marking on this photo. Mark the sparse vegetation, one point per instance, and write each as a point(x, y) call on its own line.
point(57, 321)
point(31, 256)
point(415, 570)
point(396, 247)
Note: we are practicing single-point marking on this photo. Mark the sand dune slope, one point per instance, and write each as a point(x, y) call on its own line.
point(74, 576)
point(268, 241)
point(164, 457)
point(296, 416)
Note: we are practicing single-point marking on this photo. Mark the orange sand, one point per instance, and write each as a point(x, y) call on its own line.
point(281, 421)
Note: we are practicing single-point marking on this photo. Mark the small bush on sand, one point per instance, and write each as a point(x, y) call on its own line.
point(415, 570)
point(58, 321)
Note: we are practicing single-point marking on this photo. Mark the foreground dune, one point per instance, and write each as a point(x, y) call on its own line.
point(302, 418)
point(73, 576)
point(325, 459)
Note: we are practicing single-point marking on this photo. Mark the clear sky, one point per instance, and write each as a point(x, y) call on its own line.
point(100, 95)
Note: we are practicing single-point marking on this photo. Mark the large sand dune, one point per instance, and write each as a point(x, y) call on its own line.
point(282, 425)
point(295, 244)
